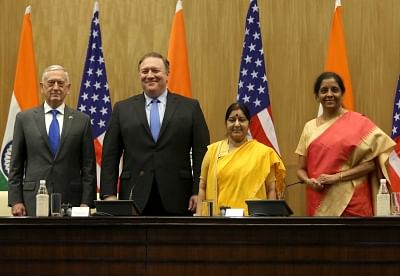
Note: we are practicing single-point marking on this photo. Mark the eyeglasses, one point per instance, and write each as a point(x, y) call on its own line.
point(51, 83)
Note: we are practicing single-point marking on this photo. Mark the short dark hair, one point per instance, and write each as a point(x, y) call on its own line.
point(155, 55)
point(236, 106)
point(328, 75)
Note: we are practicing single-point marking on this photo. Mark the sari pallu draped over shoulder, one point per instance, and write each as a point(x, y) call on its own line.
point(349, 141)
point(234, 177)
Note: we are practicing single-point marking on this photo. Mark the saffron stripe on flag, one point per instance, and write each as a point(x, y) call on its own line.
point(336, 58)
point(179, 75)
point(25, 93)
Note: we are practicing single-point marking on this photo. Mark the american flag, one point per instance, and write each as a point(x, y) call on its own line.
point(94, 97)
point(253, 83)
point(394, 158)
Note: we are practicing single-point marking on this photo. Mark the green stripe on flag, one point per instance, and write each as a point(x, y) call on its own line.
point(3, 183)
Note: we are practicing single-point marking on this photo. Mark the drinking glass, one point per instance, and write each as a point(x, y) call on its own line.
point(207, 208)
point(395, 204)
point(56, 210)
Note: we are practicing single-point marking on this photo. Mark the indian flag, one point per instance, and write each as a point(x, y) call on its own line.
point(336, 58)
point(24, 96)
point(179, 75)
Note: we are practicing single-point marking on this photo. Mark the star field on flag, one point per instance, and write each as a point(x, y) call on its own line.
point(253, 84)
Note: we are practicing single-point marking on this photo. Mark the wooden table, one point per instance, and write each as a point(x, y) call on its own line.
point(200, 246)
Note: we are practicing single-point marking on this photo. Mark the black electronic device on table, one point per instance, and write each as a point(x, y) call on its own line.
point(116, 208)
point(266, 207)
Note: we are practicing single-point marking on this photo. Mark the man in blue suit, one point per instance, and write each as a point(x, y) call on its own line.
point(157, 172)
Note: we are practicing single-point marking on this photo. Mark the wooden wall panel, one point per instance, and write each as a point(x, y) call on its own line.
point(294, 32)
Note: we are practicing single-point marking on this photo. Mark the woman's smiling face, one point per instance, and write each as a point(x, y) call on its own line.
point(237, 126)
point(330, 95)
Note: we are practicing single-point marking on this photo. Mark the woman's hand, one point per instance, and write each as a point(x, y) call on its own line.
point(270, 187)
point(315, 184)
point(303, 175)
point(328, 179)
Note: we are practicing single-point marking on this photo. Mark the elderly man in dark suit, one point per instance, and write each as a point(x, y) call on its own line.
point(52, 142)
point(156, 131)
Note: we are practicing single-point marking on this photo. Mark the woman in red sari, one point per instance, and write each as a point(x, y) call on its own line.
point(338, 152)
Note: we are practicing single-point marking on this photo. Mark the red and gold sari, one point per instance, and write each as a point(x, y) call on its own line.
point(339, 145)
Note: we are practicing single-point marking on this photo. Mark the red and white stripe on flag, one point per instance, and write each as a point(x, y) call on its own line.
point(262, 129)
point(253, 83)
point(94, 97)
point(394, 158)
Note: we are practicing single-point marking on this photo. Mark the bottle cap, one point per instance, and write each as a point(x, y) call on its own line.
point(383, 187)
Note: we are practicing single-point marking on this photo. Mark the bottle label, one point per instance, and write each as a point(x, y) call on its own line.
point(42, 205)
point(383, 205)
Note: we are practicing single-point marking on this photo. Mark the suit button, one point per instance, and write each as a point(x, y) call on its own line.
point(141, 173)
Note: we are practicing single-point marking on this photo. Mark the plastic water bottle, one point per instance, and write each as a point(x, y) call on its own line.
point(383, 200)
point(42, 200)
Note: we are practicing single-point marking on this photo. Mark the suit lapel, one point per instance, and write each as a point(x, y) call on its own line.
point(41, 125)
point(140, 109)
point(172, 103)
point(67, 123)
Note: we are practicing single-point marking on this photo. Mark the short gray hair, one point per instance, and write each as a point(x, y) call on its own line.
point(54, 67)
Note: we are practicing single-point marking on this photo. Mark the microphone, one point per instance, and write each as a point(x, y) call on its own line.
point(295, 183)
point(284, 193)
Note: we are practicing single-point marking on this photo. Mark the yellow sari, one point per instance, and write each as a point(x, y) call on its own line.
point(233, 177)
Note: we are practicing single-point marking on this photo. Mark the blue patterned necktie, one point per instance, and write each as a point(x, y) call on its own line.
point(154, 119)
point(54, 133)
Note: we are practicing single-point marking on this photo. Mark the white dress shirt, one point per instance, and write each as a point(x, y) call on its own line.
point(48, 117)
point(161, 106)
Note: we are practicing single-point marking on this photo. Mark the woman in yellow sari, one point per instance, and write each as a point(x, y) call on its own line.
point(237, 168)
point(338, 151)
